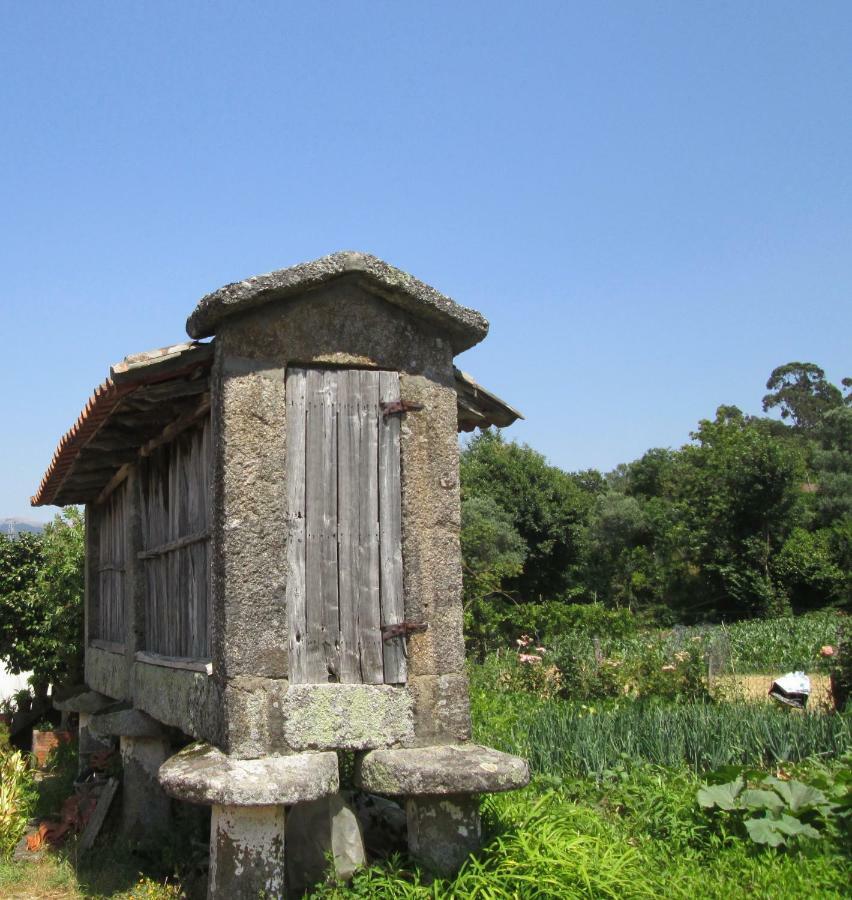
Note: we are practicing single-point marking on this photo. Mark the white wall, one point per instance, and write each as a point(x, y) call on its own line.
point(11, 683)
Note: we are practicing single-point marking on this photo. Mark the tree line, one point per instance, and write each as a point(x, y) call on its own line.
point(752, 517)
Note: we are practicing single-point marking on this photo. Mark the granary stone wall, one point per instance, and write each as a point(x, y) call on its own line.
point(341, 324)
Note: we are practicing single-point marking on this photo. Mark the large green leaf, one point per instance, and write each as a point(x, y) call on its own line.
point(796, 795)
point(763, 831)
point(722, 795)
point(775, 831)
point(756, 799)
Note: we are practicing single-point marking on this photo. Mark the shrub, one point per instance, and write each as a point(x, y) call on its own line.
point(17, 794)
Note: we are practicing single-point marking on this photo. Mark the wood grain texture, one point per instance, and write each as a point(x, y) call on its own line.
point(348, 431)
point(344, 521)
point(176, 481)
point(390, 531)
point(323, 623)
point(369, 608)
point(295, 475)
point(112, 551)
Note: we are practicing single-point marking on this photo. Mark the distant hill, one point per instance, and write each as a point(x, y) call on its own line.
point(16, 526)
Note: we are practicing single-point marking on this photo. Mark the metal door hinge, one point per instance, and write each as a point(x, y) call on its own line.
point(398, 407)
point(402, 628)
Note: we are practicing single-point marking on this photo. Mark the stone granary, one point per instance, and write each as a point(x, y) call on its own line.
point(273, 569)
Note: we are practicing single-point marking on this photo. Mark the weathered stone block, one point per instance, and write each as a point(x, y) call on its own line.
point(246, 852)
point(463, 769)
point(84, 702)
point(317, 832)
point(441, 709)
point(348, 716)
point(145, 808)
point(125, 723)
point(190, 701)
point(108, 673)
point(443, 831)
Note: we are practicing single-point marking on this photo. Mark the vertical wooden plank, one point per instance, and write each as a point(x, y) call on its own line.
point(369, 583)
point(328, 494)
point(348, 440)
point(295, 475)
point(322, 617)
point(390, 530)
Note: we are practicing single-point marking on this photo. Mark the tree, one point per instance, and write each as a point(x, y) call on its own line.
point(41, 602)
point(802, 394)
point(546, 506)
point(492, 553)
point(738, 490)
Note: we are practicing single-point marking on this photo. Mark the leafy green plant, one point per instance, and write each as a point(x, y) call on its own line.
point(772, 811)
point(17, 794)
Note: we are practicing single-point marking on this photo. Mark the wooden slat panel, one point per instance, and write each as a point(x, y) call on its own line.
point(295, 593)
point(390, 530)
point(323, 657)
point(348, 442)
point(175, 552)
point(369, 585)
point(112, 533)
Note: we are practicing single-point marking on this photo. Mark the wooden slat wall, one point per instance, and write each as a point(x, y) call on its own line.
point(344, 547)
point(176, 545)
point(112, 548)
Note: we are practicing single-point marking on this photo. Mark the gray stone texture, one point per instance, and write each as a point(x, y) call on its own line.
point(125, 723)
point(145, 807)
point(187, 700)
point(462, 769)
point(346, 716)
point(247, 858)
point(441, 709)
point(108, 673)
point(431, 520)
point(317, 832)
point(443, 831)
point(465, 326)
point(252, 718)
point(84, 702)
point(203, 774)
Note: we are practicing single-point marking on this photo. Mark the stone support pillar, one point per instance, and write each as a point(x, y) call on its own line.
point(144, 747)
point(438, 784)
point(249, 797)
point(443, 831)
point(318, 831)
point(145, 807)
point(246, 852)
point(86, 705)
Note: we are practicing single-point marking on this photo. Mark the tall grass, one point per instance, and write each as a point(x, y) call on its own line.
point(573, 739)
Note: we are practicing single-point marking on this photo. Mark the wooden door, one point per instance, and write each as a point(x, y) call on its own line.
point(344, 552)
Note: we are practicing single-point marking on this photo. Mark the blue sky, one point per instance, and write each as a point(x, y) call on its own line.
point(651, 202)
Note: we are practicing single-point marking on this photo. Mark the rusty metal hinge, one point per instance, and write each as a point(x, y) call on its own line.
point(398, 407)
point(402, 628)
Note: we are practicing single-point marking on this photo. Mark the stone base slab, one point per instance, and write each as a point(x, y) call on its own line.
point(201, 773)
point(85, 702)
point(435, 771)
point(346, 716)
point(125, 723)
